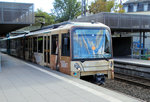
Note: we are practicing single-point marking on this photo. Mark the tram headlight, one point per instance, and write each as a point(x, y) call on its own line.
point(76, 65)
point(111, 64)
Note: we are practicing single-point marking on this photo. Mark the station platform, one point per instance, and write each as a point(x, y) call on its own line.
point(22, 81)
point(133, 61)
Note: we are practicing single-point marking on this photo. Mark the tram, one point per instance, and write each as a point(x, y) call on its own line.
point(75, 48)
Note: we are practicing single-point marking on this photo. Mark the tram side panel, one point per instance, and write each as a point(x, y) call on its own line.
point(35, 52)
point(26, 49)
point(40, 56)
point(64, 52)
point(54, 59)
point(13, 47)
point(17, 47)
point(46, 49)
point(3, 46)
point(60, 52)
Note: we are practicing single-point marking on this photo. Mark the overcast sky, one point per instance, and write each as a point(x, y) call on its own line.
point(45, 5)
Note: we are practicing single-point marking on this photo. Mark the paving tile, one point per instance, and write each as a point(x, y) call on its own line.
point(21, 83)
point(2, 96)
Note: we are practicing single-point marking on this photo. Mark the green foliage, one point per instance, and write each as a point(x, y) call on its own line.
point(109, 5)
point(66, 9)
point(49, 18)
point(118, 8)
point(101, 6)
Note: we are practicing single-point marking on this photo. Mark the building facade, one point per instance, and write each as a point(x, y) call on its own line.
point(139, 7)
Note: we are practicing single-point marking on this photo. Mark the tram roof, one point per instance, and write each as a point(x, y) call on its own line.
point(66, 25)
point(69, 24)
point(61, 26)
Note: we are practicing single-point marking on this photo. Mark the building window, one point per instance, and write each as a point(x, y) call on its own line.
point(134, 8)
point(26, 44)
point(145, 7)
point(34, 44)
point(130, 8)
point(40, 44)
point(54, 45)
point(140, 7)
point(148, 7)
point(65, 50)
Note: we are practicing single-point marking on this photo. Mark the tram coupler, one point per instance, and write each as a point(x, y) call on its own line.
point(99, 78)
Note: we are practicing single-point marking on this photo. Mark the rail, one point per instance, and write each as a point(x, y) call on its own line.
point(133, 68)
point(133, 80)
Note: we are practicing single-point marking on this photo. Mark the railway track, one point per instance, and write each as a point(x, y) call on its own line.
point(132, 68)
point(132, 86)
point(145, 83)
point(133, 80)
point(137, 73)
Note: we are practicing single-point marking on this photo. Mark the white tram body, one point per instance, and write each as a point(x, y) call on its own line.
point(77, 48)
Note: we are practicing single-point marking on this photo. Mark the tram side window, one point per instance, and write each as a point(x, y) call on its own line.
point(26, 44)
point(40, 44)
point(1, 44)
point(65, 50)
point(35, 44)
point(12, 44)
point(16, 43)
point(54, 44)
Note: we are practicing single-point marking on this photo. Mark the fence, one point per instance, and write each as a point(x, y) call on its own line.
point(140, 53)
point(120, 21)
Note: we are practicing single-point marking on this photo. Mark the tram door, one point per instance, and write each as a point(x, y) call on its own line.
point(55, 52)
point(65, 53)
point(30, 49)
point(47, 50)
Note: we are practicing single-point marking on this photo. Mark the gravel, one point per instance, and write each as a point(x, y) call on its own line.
point(129, 89)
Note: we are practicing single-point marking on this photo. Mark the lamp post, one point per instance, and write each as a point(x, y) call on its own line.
point(83, 7)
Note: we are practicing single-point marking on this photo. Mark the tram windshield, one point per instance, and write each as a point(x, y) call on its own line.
point(91, 43)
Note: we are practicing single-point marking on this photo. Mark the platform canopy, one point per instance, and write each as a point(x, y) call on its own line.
point(14, 16)
point(121, 22)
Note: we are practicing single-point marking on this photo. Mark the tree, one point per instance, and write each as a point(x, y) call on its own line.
point(66, 9)
point(109, 5)
point(118, 8)
point(101, 6)
point(41, 16)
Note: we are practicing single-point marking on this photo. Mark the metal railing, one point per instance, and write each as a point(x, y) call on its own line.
point(140, 53)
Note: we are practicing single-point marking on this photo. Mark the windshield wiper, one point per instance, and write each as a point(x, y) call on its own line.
point(104, 57)
point(82, 60)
